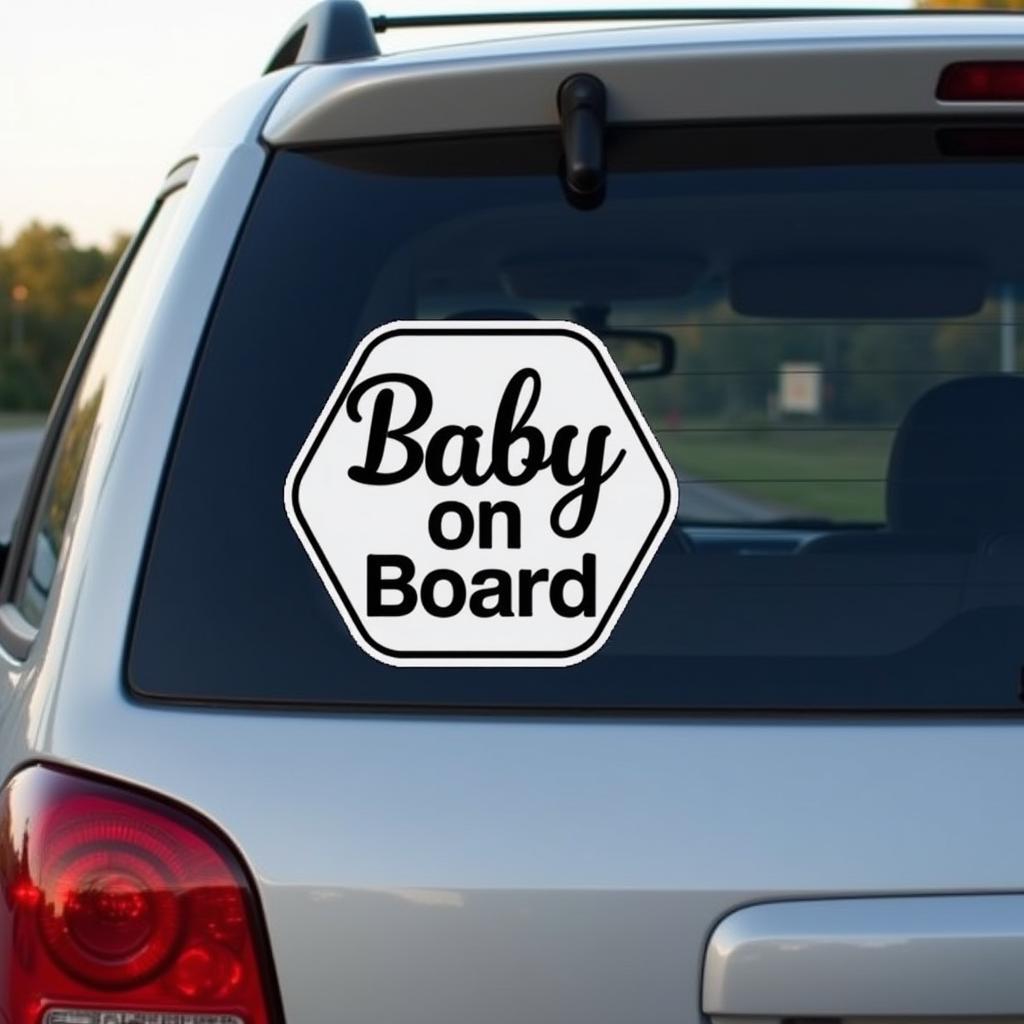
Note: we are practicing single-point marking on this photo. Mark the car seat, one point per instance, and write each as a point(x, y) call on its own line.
point(956, 472)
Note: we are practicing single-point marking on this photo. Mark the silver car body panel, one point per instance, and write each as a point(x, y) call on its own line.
point(916, 957)
point(856, 67)
point(441, 870)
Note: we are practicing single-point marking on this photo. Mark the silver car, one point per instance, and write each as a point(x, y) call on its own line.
point(782, 788)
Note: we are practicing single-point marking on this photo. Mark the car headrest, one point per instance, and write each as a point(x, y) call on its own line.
point(957, 462)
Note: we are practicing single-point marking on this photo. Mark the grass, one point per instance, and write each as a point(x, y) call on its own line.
point(805, 471)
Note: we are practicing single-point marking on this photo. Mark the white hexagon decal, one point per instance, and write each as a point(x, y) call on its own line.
point(481, 493)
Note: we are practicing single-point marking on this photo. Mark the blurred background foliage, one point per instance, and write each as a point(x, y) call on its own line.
point(48, 287)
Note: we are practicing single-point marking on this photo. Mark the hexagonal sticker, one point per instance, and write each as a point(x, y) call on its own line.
point(481, 494)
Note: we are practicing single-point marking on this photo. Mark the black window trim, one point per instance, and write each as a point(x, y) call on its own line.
point(934, 153)
point(17, 634)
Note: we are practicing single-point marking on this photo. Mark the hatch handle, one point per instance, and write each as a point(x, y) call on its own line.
point(921, 957)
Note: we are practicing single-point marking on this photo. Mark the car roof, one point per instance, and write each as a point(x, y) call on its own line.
point(885, 65)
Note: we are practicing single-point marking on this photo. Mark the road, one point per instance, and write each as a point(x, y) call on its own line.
point(17, 453)
point(716, 504)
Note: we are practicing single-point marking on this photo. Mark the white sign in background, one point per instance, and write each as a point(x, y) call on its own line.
point(481, 493)
point(800, 388)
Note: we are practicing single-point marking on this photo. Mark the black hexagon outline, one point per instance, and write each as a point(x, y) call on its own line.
point(353, 376)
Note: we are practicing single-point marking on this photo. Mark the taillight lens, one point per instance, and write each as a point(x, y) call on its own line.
point(994, 81)
point(118, 907)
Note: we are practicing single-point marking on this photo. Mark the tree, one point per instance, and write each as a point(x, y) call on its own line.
point(48, 288)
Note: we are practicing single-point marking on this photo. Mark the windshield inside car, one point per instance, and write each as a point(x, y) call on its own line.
point(820, 324)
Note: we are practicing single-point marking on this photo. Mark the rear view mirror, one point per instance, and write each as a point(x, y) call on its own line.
point(639, 353)
point(857, 286)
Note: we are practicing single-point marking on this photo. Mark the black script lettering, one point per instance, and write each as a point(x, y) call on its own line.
point(589, 478)
point(381, 430)
point(468, 456)
point(459, 447)
point(510, 429)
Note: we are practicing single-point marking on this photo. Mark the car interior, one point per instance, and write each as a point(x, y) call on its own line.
point(899, 476)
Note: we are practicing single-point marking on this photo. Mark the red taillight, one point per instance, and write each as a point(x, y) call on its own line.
point(117, 905)
point(994, 81)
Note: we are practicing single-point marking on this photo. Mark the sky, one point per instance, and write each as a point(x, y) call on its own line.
point(98, 97)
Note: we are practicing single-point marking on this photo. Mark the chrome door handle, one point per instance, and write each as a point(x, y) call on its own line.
point(920, 956)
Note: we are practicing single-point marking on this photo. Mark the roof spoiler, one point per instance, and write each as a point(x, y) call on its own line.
point(341, 30)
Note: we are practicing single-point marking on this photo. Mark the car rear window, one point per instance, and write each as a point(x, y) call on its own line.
point(844, 411)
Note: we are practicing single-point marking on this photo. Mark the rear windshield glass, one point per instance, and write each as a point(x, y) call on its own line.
point(844, 411)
